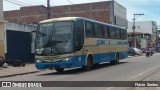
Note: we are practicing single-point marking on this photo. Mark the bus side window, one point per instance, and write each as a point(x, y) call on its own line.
point(106, 32)
point(97, 30)
point(117, 33)
point(112, 33)
point(89, 29)
point(125, 34)
point(79, 35)
point(120, 33)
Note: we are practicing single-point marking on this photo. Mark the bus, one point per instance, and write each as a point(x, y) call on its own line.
point(70, 42)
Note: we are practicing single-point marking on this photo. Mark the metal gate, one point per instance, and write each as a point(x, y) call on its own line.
point(19, 46)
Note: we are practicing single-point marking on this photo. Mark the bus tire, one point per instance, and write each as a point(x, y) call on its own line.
point(115, 61)
point(88, 65)
point(58, 69)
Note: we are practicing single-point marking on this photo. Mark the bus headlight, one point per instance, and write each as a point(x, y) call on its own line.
point(38, 61)
point(67, 59)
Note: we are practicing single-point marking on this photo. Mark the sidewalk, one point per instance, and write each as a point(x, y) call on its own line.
point(13, 71)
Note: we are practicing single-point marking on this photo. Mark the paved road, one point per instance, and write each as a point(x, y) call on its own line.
point(131, 69)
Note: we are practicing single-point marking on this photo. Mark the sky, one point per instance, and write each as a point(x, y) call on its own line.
point(150, 8)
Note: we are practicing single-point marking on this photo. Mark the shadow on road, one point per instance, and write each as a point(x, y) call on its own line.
point(80, 70)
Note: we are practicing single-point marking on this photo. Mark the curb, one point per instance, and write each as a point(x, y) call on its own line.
point(18, 74)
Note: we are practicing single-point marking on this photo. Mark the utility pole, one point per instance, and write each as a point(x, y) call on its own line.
point(48, 9)
point(1, 9)
point(113, 19)
point(134, 27)
point(156, 37)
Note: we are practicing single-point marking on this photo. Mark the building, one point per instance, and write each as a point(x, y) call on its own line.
point(144, 29)
point(100, 11)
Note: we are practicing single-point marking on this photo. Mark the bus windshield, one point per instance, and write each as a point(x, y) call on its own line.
point(55, 38)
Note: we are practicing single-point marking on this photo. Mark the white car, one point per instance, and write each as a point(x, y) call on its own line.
point(138, 51)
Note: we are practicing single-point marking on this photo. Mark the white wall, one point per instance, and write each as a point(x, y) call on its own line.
point(120, 10)
point(141, 26)
point(120, 13)
point(145, 27)
point(21, 28)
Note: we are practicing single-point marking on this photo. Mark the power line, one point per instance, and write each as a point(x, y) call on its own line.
point(53, 3)
point(70, 1)
point(21, 2)
point(15, 3)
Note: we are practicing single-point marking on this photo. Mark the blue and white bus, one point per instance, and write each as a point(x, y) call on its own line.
point(69, 42)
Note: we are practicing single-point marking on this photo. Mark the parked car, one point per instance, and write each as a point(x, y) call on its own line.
point(138, 51)
point(134, 51)
point(131, 51)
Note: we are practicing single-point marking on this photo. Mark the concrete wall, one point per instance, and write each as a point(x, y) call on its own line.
point(120, 15)
point(20, 27)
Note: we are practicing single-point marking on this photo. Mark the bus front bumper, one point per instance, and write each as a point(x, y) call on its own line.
point(45, 65)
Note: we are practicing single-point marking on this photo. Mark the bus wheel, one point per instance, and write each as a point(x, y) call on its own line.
point(88, 65)
point(58, 69)
point(115, 61)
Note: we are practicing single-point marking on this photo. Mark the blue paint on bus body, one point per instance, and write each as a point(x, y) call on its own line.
point(79, 61)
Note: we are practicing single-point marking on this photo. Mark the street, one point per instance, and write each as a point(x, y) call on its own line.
point(137, 68)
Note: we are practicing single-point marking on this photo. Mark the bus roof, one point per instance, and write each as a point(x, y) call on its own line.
point(75, 19)
point(59, 19)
